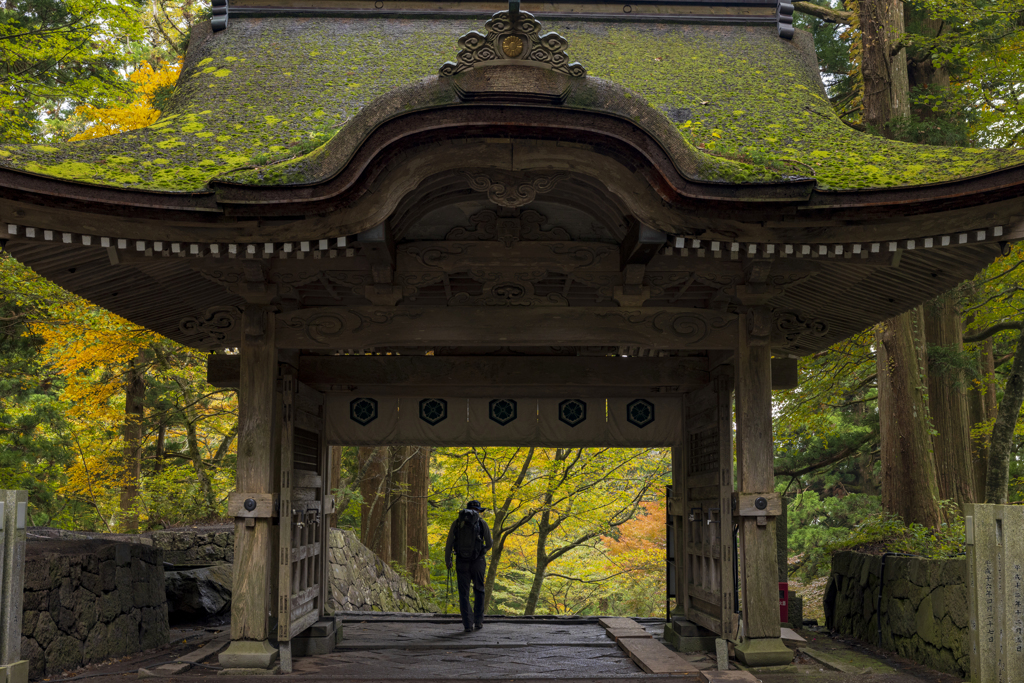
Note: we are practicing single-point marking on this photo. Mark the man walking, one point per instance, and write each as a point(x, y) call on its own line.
point(469, 539)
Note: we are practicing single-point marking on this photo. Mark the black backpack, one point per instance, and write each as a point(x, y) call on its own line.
point(468, 535)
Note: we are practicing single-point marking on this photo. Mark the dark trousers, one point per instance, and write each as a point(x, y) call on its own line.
point(471, 571)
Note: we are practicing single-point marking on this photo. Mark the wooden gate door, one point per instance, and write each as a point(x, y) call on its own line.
point(706, 593)
point(306, 504)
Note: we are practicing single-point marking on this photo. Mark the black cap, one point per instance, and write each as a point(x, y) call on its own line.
point(475, 505)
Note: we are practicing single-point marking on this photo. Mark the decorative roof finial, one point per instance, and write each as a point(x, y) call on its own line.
point(513, 38)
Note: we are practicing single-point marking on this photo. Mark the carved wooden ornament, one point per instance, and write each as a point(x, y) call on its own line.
point(513, 41)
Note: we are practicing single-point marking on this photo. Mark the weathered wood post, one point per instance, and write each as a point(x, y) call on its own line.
point(251, 601)
point(13, 520)
point(755, 502)
point(995, 590)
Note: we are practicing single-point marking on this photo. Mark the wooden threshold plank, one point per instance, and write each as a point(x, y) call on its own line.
point(185, 662)
point(619, 633)
point(655, 658)
point(618, 622)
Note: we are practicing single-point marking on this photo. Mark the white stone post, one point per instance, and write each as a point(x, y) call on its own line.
point(995, 588)
point(13, 519)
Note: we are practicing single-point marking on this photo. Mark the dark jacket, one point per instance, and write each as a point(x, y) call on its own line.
point(449, 547)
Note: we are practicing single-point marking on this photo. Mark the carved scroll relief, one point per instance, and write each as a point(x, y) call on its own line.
point(513, 39)
point(212, 327)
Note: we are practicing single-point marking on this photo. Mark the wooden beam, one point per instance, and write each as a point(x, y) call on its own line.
point(368, 326)
point(640, 245)
point(404, 374)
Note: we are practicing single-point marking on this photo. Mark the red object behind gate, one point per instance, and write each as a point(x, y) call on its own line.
point(783, 602)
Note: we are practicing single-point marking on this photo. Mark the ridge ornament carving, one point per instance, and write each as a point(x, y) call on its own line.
point(212, 326)
point(512, 40)
point(509, 191)
point(794, 326)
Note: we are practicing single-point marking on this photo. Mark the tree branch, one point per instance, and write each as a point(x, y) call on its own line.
point(841, 455)
point(992, 331)
point(832, 16)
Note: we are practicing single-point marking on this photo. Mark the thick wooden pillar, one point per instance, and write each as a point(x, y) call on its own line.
point(755, 488)
point(251, 601)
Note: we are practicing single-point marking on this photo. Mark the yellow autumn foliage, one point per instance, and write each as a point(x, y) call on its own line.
point(136, 114)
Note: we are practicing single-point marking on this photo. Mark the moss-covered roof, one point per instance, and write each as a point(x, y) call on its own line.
point(272, 89)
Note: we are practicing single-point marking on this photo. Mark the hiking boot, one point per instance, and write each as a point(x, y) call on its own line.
point(479, 625)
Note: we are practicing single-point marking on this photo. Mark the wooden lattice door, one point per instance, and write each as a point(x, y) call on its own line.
point(306, 503)
point(708, 558)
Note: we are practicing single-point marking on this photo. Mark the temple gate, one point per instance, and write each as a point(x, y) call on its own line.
point(380, 245)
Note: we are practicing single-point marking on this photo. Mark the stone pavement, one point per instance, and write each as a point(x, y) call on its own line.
point(424, 648)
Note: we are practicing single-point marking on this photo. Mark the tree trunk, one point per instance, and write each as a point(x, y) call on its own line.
point(908, 467)
point(886, 87)
point(922, 74)
point(978, 411)
point(196, 456)
point(335, 483)
point(134, 411)
point(998, 479)
point(399, 504)
point(543, 531)
point(947, 402)
point(497, 549)
point(161, 443)
point(375, 523)
point(419, 487)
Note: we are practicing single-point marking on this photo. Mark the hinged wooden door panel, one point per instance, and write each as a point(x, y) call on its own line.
point(305, 504)
point(707, 594)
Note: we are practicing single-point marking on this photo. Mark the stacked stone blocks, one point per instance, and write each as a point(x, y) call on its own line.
point(90, 607)
point(924, 607)
point(360, 582)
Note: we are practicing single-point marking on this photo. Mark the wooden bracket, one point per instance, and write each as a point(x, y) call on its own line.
point(640, 245)
point(759, 505)
point(252, 506)
point(676, 507)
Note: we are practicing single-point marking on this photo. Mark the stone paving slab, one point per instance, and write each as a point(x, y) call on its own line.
point(437, 650)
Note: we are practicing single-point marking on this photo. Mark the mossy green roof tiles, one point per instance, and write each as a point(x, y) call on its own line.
point(265, 92)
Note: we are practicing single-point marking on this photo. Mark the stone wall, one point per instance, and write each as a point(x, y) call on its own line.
point(361, 582)
point(924, 612)
point(90, 600)
point(200, 547)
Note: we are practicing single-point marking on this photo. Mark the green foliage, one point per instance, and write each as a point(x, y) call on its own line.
point(820, 527)
point(57, 54)
point(981, 45)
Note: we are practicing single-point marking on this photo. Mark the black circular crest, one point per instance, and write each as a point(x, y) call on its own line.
point(572, 411)
point(363, 410)
point(502, 410)
point(433, 410)
point(640, 413)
